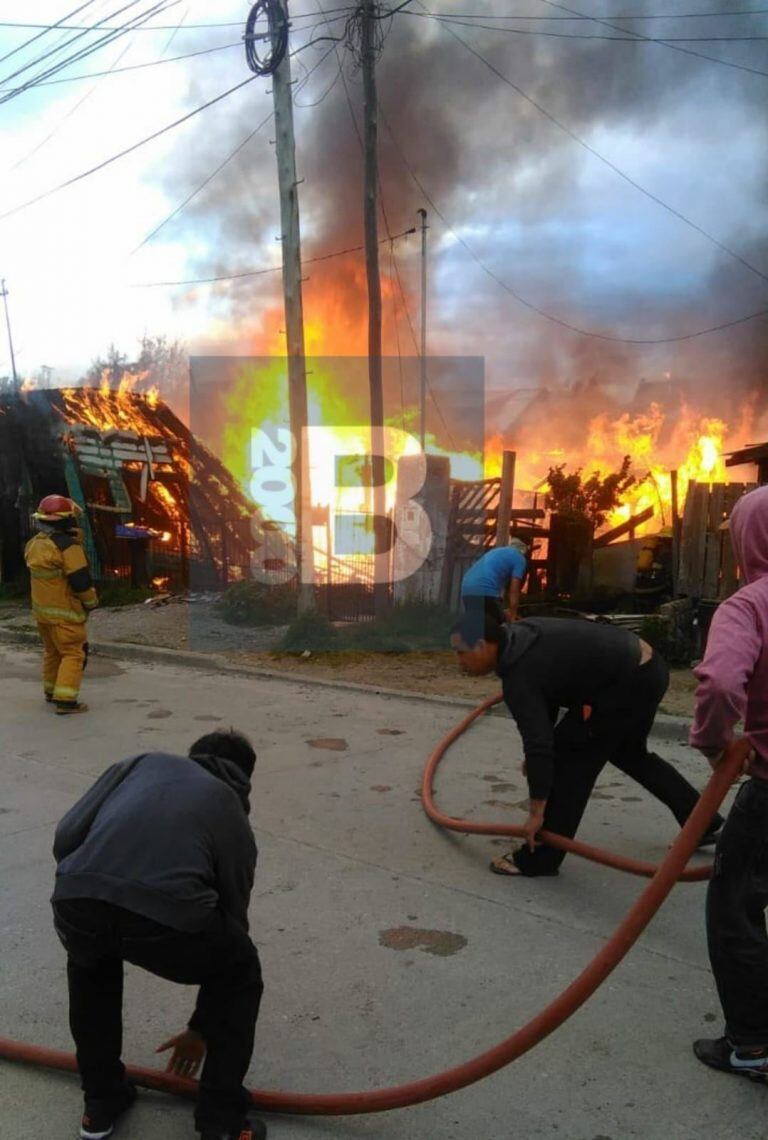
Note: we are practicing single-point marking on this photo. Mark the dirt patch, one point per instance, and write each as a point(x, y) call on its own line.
point(197, 626)
point(331, 743)
point(440, 942)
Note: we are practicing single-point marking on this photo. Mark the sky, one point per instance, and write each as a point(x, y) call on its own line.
point(578, 171)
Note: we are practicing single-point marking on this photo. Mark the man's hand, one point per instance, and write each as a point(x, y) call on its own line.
point(510, 615)
point(188, 1053)
point(534, 822)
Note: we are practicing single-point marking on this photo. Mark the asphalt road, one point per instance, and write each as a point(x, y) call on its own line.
point(389, 951)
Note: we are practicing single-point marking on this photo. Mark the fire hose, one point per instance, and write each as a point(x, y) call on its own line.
point(663, 878)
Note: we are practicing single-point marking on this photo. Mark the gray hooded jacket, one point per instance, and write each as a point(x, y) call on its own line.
point(164, 836)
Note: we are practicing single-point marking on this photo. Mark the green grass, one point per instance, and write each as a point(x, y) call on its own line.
point(255, 604)
point(114, 594)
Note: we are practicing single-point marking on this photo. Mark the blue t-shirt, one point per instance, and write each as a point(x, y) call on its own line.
point(490, 575)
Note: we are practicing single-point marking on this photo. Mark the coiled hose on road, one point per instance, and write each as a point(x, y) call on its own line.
point(664, 877)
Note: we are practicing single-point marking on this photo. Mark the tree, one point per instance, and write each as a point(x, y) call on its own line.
point(160, 364)
point(593, 498)
point(164, 361)
point(113, 367)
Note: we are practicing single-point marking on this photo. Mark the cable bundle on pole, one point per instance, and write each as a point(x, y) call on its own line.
point(276, 37)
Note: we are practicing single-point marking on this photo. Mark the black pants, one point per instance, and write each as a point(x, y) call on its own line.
point(736, 902)
point(222, 960)
point(483, 604)
point(616, 732)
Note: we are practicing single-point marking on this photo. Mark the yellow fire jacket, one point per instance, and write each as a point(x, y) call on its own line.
point(62, 588)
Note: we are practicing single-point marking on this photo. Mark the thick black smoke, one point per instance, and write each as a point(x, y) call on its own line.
point(544, 215)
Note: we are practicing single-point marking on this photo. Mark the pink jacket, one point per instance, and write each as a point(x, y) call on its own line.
point(733, 677)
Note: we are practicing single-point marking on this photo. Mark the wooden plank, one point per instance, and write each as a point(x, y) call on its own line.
point(506, 495)
point(710, 578)
point(677, 523)
point(693, 539)
point(450, 547)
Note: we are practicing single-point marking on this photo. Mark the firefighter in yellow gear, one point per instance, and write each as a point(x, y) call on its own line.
point(62, 597)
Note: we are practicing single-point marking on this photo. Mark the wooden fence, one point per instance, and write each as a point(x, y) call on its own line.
point(707, 568)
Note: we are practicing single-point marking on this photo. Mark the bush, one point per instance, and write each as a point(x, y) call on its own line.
point(113, 594)
point(254, 603)
point(310, 631)
point(405, 628)
point(593, 498)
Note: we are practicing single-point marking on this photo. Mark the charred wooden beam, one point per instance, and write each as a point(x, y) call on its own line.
point(622, 529)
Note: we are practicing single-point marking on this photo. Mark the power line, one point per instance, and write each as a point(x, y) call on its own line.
point(126, 151)
point(39, 146)
point(82, 53)
point(396, 327)
point(210, 178)
point(537, 309)
point(46, 28)
point(606, 161)
point(386, 224)
point(417, 347)
point(134, 66)
point(159, 27)
point(631, 38)
point(262, 272)
point(91, 91)
point(153, 62)
point(663, 42)
point(618, 16)
point(40, 59)
point(225, 162)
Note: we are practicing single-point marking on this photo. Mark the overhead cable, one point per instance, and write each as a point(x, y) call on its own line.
point(81, 53)
point(127, 150)
point(536, 308)
point(606, 161)
point(263, 272)
point(182, 205)
point(664, 43)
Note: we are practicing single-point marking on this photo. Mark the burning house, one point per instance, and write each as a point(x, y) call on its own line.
point(158, 507)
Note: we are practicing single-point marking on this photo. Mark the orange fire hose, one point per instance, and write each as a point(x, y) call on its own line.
point(539, 1027)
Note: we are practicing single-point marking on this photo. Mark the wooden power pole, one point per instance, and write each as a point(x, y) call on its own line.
point(368, 49)
point(423, 361)
point(294, 318)
point(4, 295)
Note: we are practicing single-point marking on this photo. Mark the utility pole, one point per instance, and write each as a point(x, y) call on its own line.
point(4, 295)
point(368, 49)
point(294, 311)
point(423, 369)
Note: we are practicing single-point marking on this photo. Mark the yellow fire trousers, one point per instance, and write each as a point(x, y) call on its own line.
point(63, 659)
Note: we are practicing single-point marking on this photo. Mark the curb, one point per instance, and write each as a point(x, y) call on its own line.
point(665, 727)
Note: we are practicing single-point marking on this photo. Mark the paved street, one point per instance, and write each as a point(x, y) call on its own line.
point(389, 951)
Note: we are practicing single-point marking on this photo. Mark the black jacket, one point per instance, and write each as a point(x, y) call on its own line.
point(546, 664)
point(164, 836)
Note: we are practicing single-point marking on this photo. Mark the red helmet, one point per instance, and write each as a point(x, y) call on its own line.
point(54, 508)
